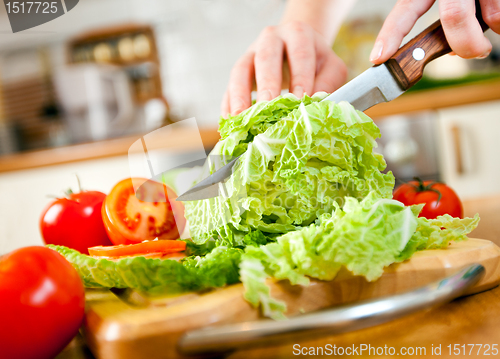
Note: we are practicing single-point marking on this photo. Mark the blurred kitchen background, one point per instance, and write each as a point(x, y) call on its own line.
point(77, 91)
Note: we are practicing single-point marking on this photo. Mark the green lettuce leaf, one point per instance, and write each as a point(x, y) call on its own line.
point(216, 269)
point(300, 159)
point(363, 236)
point(438, 233)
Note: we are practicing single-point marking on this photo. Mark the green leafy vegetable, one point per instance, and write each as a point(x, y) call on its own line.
point(438, 233)
point(216, 269)
point(363, 236)
point(301, 158)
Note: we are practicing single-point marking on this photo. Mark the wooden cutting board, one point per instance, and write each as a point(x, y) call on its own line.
point(127, 324)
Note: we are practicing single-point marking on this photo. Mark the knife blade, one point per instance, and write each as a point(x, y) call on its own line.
point(380, 83)
point(211, 186)
point(375, 85)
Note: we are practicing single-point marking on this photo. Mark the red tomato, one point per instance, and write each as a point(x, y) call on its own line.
point(129, 219)
point(439, 199)
point(42, 302)
point(75, 222)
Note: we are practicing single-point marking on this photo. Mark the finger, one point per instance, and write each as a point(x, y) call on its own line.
point(224, 107)
point(396, 26)
point(491, 14)
point(240, 84)
point(268, 63)
point(462, 29)
point(300, 50)
point(331, 72)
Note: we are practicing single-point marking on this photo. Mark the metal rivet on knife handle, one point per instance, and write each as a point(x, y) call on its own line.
point(418, 54)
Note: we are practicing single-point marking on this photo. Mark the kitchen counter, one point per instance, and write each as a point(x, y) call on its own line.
point(100, 149)
point(470, 320)
point(410, 102)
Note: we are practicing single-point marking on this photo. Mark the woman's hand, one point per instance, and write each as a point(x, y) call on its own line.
point(460, 25)
point(312, 63)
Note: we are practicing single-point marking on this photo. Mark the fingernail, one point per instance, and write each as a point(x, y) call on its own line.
point(376, 51)
point(298, 91)
point(485, 55)
point(264, 95)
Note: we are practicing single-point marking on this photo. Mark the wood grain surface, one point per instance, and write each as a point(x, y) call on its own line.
point(128, 326)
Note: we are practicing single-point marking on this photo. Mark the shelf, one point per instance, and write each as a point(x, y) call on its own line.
point(438, 98)
point(411, 102)
point(100, 149)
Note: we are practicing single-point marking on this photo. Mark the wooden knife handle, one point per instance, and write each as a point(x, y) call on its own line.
point(408, 63)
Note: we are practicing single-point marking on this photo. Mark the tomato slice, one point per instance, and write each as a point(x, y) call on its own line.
point(130, 218)
point(121, 250)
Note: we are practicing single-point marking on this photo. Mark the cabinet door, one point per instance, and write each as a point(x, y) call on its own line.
point(470, 148)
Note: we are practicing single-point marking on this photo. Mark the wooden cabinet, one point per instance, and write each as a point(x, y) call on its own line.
point(469, 148)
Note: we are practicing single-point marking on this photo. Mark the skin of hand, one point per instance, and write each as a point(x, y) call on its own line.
point(458, 19)
point(304, 39)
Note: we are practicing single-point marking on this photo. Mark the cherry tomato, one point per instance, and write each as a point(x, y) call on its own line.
point(439, 199)
point(132, 219)
point(42, 302)
point(121, 250)
point(75, 222)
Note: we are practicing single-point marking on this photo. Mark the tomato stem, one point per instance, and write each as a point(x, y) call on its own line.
point(422, 188)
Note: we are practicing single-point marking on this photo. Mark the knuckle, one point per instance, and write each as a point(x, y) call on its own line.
point(266, 82)
point(237, 102)
point(235, 89)
point(404, 3)
point(269, 31)
point(492, 18)
point(453, 15)
point(470, 51)
point(301, 80)
point(300, 53)
point(266, 54)
point(240, 65)
point(236, 70)
point(298, 27)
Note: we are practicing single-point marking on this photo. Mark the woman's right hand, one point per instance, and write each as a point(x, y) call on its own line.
point(462, 30)
point(313, 66)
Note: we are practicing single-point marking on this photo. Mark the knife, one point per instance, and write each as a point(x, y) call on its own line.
point(346, 318)
point(380, 83)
